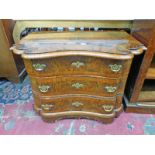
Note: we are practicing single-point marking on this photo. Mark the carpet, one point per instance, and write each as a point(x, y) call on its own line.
point(17, 117)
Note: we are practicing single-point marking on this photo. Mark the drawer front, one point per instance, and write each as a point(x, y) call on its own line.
point(77, 65)
point(86, 104)
point(75, 85)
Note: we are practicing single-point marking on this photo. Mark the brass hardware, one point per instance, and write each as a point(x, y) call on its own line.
point(115, 68)
point(77, 104)
point(47, 106)
point(77, 64)
point(39, 67)
point(107, 108)
point(78, 85)
point(110, 89)
point(44, 88)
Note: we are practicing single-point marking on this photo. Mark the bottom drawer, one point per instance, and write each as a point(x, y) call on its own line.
point(75, 103)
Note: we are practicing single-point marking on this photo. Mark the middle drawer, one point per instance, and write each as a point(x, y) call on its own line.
point(50, 86)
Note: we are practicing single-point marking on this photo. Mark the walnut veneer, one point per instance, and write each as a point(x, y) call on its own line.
point(78, 74)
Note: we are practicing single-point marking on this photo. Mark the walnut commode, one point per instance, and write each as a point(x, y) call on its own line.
point(78, 74)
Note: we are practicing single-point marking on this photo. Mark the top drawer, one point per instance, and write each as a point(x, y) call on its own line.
point(77, 65)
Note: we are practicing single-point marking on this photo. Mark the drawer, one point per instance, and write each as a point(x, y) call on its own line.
point(76, 103)
point(50, 86)
point(77, 65)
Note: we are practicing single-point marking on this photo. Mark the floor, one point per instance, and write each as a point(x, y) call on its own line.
point(18, 117)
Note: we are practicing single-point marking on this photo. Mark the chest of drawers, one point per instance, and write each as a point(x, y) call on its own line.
point(78, 74)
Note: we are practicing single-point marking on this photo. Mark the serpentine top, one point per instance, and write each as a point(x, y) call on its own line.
point(116, 42)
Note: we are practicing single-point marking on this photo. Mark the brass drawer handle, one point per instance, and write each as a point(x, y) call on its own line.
point(110, 89)
point(77, 104)
point(39, 67)
point(77, 64)
point(47, 106)
point(77, 85)
point(107, 108)
point(115, 68)
point(44, 88)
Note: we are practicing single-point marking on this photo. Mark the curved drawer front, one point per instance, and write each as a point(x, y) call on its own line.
point(75, 85)
point(77, 65)
point(87, 104)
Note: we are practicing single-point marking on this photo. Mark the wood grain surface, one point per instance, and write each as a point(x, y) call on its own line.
point(80, 83)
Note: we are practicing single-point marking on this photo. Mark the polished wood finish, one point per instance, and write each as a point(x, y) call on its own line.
point(77, 103)
point(11, 65)
point(77, 65)
point(71, 106)
point(78, 84)
point(75, 85)
point(102, 43)
point(144, 31)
